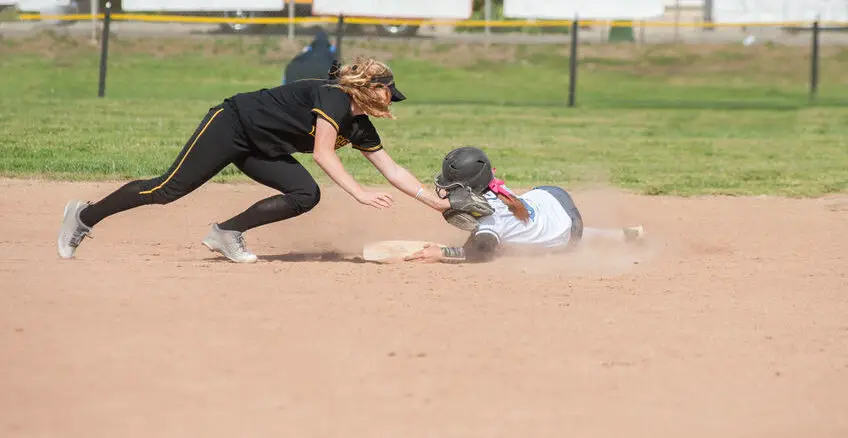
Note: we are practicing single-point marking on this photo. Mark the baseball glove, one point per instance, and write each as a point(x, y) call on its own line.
point(466, 201)
point(466, 208)
point(463, 221)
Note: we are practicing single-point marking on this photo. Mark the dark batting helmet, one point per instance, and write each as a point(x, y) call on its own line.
point(464, 167)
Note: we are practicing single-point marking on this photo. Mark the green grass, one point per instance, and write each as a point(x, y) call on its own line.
point(657, 120)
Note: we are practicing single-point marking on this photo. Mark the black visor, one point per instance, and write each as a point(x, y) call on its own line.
point(389, 81)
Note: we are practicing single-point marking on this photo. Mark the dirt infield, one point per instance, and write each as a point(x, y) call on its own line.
point(732, 321)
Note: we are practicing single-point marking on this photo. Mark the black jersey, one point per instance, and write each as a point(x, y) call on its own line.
point(281, 120)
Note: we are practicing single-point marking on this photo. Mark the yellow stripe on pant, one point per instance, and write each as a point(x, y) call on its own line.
point(188, 151)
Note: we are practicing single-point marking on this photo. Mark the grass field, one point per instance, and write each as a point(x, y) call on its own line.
point(680, 120)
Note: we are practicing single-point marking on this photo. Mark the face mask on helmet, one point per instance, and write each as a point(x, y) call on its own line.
point(442, 191)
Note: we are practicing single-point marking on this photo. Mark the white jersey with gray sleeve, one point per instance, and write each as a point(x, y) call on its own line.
point(549, 224)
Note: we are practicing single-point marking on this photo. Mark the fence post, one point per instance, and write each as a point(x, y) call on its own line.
point(339, 35)
point(814, 59)
point(677, 21)
point(104, 49)
point(291, 19)
point(708, 14)
point(572, 70)
point(94, 9)
point(487, 15)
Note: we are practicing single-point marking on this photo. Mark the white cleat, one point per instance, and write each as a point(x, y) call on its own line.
point(634, 234)
point(230, 244)
point(73, 230)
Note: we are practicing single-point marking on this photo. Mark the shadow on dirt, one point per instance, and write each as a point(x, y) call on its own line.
point(299, 257)
point(320, 256)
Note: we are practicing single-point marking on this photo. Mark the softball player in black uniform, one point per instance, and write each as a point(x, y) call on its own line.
point(259, 132)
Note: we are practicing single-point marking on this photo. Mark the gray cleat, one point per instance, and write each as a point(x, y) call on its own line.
point(228, 243)
point(73, 230)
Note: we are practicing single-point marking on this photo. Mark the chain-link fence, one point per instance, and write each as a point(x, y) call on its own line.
point(679, 59)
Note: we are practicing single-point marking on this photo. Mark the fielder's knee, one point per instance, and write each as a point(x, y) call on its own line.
point(166, 195)
point(305, 199)
point(156, 191)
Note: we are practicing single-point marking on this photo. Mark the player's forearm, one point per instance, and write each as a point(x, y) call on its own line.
point(330, 163)
point(407, 183)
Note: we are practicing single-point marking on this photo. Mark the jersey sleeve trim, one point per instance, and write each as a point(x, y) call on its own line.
point(453, 255)
point(326, 117)
point(368, 149)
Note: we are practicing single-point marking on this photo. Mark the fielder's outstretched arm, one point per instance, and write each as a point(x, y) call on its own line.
point(404, 180)
point(324, 154)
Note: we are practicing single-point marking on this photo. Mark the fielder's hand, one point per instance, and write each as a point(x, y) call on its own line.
point(375, 199)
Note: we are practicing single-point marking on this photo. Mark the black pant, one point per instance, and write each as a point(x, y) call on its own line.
point(570, 208)
point(219, 141)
